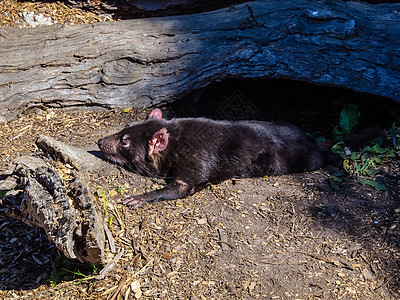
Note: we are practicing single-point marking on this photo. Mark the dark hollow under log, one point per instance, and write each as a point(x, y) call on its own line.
point(147, 61)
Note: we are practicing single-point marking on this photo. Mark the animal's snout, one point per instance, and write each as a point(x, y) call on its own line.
point(108, 145)
point(100, 143)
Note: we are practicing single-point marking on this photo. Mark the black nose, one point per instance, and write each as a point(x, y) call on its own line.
point(100, 143)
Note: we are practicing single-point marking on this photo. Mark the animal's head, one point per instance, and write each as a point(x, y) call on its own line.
point(137, 144)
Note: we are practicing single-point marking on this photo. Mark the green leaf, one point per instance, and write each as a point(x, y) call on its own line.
point(364, 167)
point(338, 148)
point(372, 183)
point(392, 153)
point(320, 139)
point(366, 149)
point(357, 168)
point(349, 118)
point(125, 110)
point(334, 183)
point(365, 156)
point(376, 149)
point(121, 189)
point(372, 172)
point(337, 178)
point(100, 192)
point(337, 131)
point(378, 141)
point(354, 156)
point(377, 159)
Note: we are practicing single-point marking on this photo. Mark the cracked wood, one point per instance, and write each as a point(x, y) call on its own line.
point(146, 61)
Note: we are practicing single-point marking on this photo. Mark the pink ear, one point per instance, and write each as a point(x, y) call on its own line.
point(159, 141)
point(155, 114)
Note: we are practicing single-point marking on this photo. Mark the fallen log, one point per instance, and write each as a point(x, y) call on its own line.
point(63, 206)
point(147, 61)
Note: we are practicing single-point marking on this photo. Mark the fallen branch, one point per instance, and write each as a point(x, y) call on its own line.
point(66, 209)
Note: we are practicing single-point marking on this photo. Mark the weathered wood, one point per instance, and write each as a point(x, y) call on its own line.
point(147, 61)
point(69, 213)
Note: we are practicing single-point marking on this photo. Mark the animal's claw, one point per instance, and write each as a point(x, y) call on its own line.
point(134, 201)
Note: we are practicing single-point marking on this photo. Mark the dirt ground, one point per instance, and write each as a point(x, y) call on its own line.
point(283, 237)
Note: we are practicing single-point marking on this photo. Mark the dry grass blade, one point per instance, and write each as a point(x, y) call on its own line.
point(110, 238)
point(120, 285)
point(111, 265)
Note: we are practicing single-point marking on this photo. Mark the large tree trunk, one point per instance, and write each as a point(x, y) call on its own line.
point(146, 61)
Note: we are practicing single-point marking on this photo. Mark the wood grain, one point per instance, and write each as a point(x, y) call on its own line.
point(147, 61)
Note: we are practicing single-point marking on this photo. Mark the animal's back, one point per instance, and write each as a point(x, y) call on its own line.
point(218, 150)
point(283, 148)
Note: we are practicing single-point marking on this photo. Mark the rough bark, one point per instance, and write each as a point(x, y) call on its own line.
point(67, 210)
point(144, 62)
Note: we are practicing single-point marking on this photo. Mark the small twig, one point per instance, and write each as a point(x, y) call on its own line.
point(110, 265)
point(261, 214)
point(293, 225)
point(135, 247)
point(120, 285)
point(25, 129)
point(385, 282)
point(110, 238)
point(144, 268)
point(117, 215)
point(323, 258)
point(128, 291)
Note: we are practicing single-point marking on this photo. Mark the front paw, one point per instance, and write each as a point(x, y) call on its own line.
point(135, 201)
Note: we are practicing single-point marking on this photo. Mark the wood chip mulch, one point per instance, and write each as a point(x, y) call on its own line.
point(11, 13)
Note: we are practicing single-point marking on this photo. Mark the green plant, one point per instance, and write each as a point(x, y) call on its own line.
point(365, 163)
point(121, 189)
point(347, 121)
point(125, 110)
point(102, 195)
point(336, 179)
point(63, 266)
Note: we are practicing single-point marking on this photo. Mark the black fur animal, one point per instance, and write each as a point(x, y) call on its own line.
point(190, 153)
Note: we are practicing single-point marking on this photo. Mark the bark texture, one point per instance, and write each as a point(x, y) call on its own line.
point(65, 209)
point(146, 61)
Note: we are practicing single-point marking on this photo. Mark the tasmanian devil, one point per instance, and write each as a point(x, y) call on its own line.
point(191, 152)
